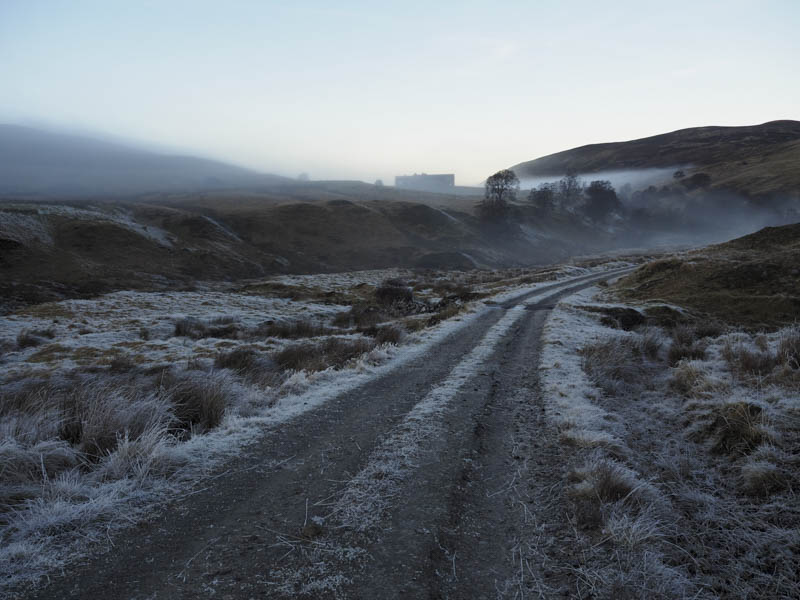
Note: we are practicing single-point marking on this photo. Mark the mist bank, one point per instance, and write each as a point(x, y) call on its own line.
point(48, 164)
point(643, 208)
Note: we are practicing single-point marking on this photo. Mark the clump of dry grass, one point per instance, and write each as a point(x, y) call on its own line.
point(687, 344)
point(762, 478)
point(789, 347)
point(95, 414)
point(332, 353)
point(737, 428)
point(747, 362)
point(604, 480)
point(254, 366)
point(393, 291)
point(291, 330)
point(220, 327)
point(615, 365)
point(691, 380)
point(389, 334)
point(447, 312)
point(199, 400)
point(28, 339)
point(361, 316)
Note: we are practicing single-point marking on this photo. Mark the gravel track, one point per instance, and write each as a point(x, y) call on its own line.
point(457, 518)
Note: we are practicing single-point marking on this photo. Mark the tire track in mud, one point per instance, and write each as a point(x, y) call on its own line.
point(261, 522)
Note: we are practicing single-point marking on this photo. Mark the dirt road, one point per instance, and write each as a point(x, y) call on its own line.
point(429, 482)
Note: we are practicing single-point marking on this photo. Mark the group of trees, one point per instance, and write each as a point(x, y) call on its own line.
point(598, 201)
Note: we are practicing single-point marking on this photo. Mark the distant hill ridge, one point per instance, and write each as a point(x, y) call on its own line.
point(755, 160)
point(35, 162)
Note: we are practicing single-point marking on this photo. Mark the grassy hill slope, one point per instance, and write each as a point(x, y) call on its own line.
point(755, 160)
point(752, 281)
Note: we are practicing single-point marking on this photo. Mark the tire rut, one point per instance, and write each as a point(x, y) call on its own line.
point(231, 538)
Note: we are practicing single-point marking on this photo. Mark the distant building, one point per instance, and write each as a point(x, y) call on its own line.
point(426, 183)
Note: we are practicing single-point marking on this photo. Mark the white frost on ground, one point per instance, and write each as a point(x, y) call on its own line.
point(92, 332)
point(369, 492)
point(570, 396)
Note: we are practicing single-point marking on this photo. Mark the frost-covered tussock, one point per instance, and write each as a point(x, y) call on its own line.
point(686, 450)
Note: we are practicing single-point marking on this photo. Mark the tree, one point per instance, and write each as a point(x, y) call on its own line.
point(379, 182)
point(501, 188)
point(570, 191)
point(601, 200)
point(543, 198)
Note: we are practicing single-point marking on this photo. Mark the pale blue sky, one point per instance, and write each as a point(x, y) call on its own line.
point(364, 90)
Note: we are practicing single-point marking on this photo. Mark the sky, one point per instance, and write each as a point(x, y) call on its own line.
point(372, 89)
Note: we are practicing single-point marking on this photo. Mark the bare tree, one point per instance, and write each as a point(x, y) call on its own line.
point(501, 188)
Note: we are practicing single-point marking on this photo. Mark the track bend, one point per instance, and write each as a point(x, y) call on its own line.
point(413, 485)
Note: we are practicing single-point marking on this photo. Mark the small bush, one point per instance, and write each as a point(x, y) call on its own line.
point(144, 333)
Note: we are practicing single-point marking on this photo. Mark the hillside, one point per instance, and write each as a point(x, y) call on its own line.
point(50, 251)
point(757, 160)
point(752, 281)
point(41, 163)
